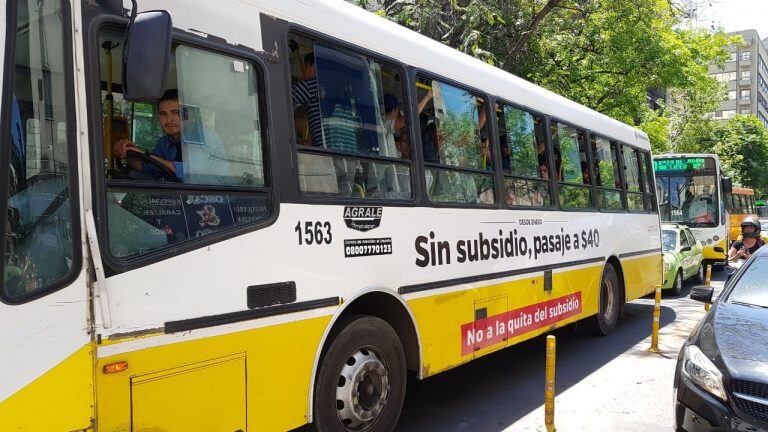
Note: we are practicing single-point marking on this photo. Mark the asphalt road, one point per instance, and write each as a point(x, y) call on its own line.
point(603, 383)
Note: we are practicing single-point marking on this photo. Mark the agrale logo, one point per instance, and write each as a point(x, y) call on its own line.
point(362, 218)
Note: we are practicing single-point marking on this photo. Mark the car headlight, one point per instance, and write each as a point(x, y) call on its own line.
point(699, 369)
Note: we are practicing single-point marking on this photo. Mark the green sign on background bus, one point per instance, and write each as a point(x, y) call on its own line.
point(681, 164)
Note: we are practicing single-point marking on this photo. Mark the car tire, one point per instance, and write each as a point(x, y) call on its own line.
point(609, 305)
point(699, 276)
point(677, 285)
point(362, 377)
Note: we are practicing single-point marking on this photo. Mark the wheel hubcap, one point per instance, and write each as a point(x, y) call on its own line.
point(362, 391)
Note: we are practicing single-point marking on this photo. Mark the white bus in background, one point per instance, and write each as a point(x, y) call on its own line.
point(691, 188)
point(324, 202)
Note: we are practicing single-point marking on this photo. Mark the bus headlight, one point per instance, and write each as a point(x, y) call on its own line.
point(702, 372)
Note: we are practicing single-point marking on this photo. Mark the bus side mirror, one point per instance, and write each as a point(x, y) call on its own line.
point(727, 185)
point(146, 54)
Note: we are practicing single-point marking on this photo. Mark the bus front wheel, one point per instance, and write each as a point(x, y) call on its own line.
point(609, 305)
point(361, 384)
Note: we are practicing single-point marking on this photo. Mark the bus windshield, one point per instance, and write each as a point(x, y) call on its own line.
point(688, 199)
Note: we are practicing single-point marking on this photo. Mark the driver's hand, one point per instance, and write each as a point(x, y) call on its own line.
point(123, 146)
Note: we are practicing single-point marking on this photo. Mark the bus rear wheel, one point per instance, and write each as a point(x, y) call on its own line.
point(361, 384)
point(609, 305)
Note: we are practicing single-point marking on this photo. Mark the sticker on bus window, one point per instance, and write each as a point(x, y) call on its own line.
point(362, 218)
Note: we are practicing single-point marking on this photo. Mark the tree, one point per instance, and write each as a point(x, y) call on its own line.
point(604, 54)
point(742, 145)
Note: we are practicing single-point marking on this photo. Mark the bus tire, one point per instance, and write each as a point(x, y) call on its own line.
point(361, 382)
point(609, 305)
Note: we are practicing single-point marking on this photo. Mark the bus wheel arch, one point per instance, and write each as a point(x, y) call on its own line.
point(382, 304)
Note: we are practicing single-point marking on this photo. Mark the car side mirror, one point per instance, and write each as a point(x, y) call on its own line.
point(685, 249)
point(146, 55)
point(702, 293)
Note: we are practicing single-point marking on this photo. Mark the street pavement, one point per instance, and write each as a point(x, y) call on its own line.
point(609, 383)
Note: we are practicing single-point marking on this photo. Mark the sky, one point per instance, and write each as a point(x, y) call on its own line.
point(733, 15)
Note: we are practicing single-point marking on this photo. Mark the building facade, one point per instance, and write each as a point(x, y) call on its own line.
point(746, 75)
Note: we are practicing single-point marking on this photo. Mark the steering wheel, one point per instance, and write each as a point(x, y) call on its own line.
point(164, 170)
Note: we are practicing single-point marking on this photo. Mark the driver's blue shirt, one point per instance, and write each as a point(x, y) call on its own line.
point(169, 149)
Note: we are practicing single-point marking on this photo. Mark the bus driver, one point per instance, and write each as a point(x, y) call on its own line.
point(167, 150)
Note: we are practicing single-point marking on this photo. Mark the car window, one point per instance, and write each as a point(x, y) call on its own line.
point(668, 240)
point(690, 239)
point(751, 287)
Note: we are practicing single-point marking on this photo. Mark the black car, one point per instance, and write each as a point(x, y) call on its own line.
point(721, 380)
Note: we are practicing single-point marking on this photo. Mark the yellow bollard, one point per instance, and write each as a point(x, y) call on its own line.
point(549, 386)
point(708, 282)
point(656, 316)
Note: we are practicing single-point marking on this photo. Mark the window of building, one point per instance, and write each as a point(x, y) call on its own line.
point(190, 165)
point(523, 157)
point(350, 123)
point(746, 55)
point(39, 249)
point(744, 94)
point(745, 75)
point(606, 161)
point(734, 56)
point(731, 94)
point(728, 114)
point(745, 110)
point(455, 144)
point(571, 166)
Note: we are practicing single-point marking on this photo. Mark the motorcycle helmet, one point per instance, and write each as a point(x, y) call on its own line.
point(750, 221)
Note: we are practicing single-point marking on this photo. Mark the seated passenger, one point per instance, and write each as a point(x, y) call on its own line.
point(167, 150)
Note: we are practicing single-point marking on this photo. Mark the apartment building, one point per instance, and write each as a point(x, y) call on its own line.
point(746, 75)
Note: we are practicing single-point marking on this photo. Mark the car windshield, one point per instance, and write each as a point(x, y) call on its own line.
point(668, 240)
point(689, 199)
point(752, 287)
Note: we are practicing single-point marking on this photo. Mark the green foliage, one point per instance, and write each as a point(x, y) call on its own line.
point(741, 142)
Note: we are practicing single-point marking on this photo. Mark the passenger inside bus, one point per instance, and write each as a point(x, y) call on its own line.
point(351, 105)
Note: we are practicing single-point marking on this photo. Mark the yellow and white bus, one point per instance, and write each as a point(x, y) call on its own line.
point(690, 189)
point(251, 215)
point(740, 204)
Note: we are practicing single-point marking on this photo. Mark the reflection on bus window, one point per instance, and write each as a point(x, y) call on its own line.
point(352, 105)
point(632, 178)
point(523, 157)
point(571, 166)
point(605, 156)
point(38, 232)
point(454, 134)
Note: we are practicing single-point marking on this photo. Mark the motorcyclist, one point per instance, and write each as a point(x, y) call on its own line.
point(750, 240)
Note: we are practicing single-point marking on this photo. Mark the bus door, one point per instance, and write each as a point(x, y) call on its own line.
point(45, 351)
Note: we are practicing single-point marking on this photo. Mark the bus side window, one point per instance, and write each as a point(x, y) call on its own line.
point(632, 178)
point(604, 155)
point(571, 166)
point(350, 123)
point(39, 250)
point(524, 159)
point(455, 142)
point(214, 135)
point(649, 199)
